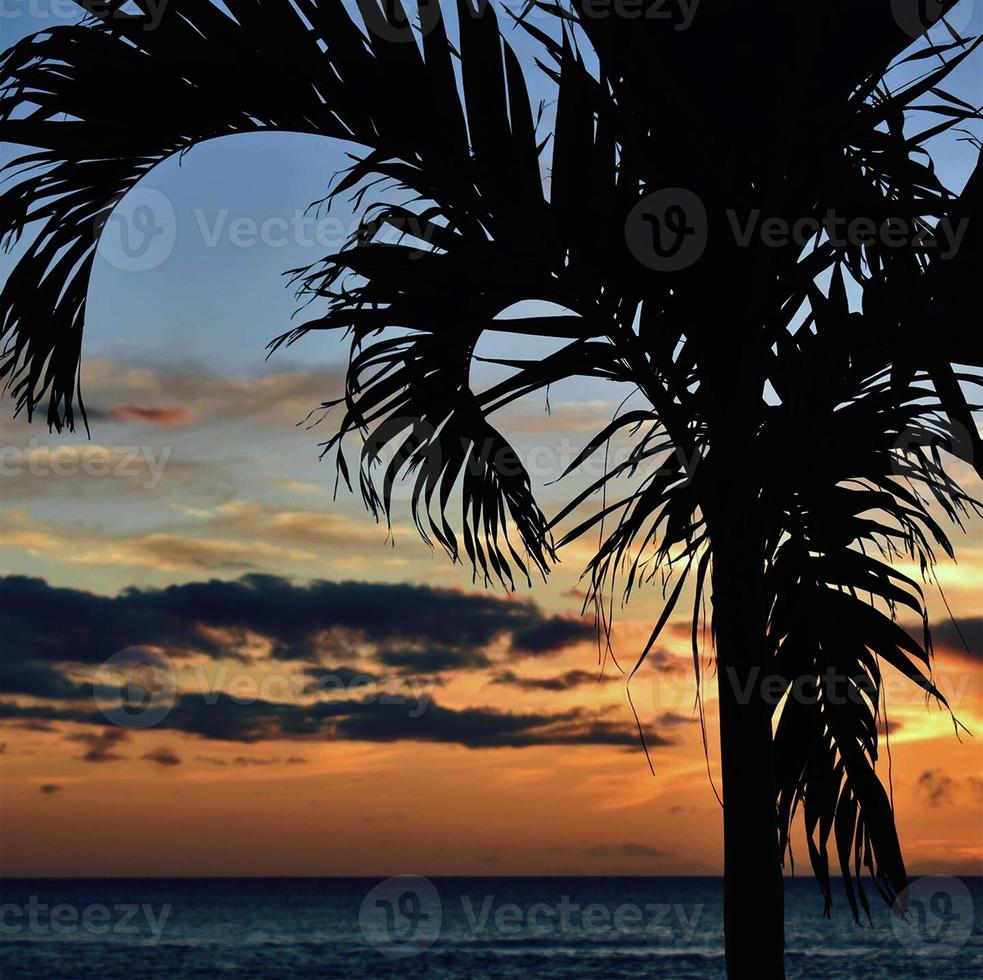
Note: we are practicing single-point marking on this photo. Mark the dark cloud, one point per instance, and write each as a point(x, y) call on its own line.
point(332, 678)
point(672, 719)
point(936, 787)
point(550, 635)
point(162, 756)
point(101, 745)
point(955, 636)
point(222, 718)
point(302, 622)
point(50, 789)
point(50, 633)
point(433, 660)
point(37, 679)
point(563, 682)
point(250, 760)
point(885, 727)
point(663, 662)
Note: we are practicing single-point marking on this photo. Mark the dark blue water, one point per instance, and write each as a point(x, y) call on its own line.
point(514, 928)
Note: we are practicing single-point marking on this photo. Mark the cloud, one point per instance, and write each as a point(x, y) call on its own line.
point(52, 633)
point(564, 682)
point(549, 635)
point(101, 745)
point(161, 551)
point(223, 718)
point(299, 622)
point(250, 760)
point(327, 679)
point(482, 728)
point(162, 756)
point(432, 660)
point(662, 661)
point(297, 487)
point(672, 719)
point(89, 471)
point(38, 679)
point(167, 417)
point(50, 789)
point(888, 727)
point(126, 393)
point(955, 636)
point(935, 787)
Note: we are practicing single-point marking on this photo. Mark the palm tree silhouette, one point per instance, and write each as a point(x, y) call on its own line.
point(794, 397)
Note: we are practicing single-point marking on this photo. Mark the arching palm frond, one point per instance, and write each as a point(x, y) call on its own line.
point(102, 103)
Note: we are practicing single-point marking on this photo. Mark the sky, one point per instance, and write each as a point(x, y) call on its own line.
point(197, 524)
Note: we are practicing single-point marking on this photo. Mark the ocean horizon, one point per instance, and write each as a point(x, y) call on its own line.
point(518, 928)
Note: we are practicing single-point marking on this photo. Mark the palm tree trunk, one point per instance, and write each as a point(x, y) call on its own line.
point(753, 886)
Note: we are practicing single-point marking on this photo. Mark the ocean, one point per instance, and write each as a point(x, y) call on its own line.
point(444, 928)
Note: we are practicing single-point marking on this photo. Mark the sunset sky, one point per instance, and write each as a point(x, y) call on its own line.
point(488, 741)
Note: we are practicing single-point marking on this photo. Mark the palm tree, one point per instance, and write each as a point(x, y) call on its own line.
point(812, 382)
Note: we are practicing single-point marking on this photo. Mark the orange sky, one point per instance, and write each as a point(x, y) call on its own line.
point(239, 492)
